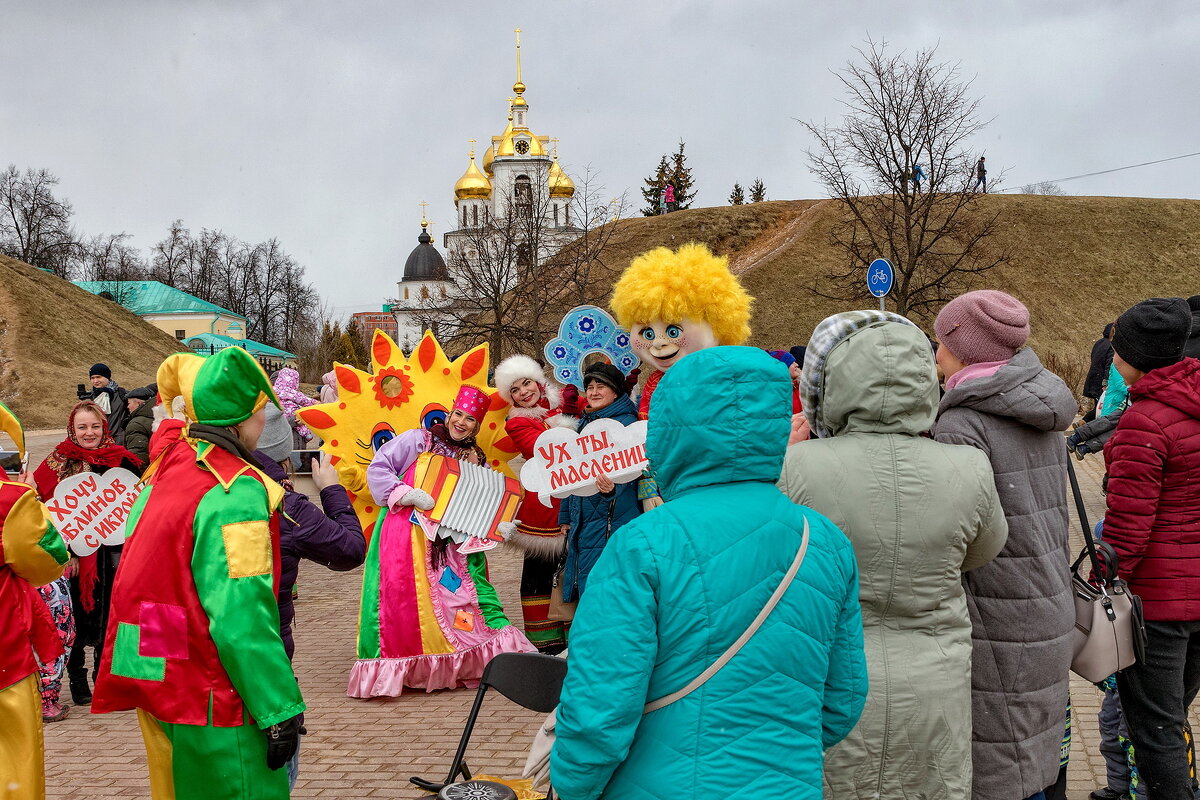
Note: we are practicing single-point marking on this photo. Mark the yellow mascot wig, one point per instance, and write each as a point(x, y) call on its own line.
point(689, 282)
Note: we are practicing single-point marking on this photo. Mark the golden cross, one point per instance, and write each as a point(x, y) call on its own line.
point(424, 222)
point(472, 141)
point(555, 140)
point(518, 32)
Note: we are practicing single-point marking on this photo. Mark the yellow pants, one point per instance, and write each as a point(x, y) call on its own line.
point(22, 756)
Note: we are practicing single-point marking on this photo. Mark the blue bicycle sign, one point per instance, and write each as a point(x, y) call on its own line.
point(880, 277)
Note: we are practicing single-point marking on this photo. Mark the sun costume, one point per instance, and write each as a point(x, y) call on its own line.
point(31, 554)
point(674, 303)
point(193, 636)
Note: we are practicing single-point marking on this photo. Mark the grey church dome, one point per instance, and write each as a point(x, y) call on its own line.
point(425, 263)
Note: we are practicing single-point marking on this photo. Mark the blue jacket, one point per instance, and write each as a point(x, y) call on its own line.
point(682, 582)
point(594, 519)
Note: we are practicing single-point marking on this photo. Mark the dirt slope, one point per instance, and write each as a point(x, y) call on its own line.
point(51, 332)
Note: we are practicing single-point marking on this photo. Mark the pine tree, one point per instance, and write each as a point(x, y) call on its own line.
point(352, 347)
point(653, 190)
point(680, 176)
point(758, 192)
point(737, 197)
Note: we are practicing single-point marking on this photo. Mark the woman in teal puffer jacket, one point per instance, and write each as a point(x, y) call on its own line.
point(674, 590)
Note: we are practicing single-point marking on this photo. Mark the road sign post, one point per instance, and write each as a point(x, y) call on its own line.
point(880, 278)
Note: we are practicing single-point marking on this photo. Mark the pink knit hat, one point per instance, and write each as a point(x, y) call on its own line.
point(984, 325)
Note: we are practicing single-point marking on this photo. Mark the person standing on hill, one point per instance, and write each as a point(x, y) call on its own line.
point(669, 197)
point(980, 175)
point(1153, 524)
point(1000, 399)
point(111, 399)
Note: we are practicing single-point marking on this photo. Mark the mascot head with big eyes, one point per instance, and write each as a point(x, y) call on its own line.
point(400, 394)
point(677, 302)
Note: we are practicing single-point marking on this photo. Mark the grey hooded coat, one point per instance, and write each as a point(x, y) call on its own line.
point(1022, 611)
point(919, 513)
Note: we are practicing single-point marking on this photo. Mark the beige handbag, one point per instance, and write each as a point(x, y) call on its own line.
point(1109, 632)
point(560, 611)
point(537, 766)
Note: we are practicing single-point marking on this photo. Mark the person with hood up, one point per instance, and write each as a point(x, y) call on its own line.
point(1153, 524)
point(1000, 399)
point(193, 640)
point(89, 447)
point(291, 400)
point(329, 390)
point(919, 514)
point(680, 584)
point(589, 523)
point(536, 406)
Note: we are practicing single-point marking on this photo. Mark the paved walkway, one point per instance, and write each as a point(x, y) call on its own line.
point(370, 748)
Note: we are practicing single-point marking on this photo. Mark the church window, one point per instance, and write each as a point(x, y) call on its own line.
point(405, 292)
point(567, 216)
point(556, 215)
point(475, 216)
point(523, 256)
point(424, 292)
point(464, 216)
point(523, 194)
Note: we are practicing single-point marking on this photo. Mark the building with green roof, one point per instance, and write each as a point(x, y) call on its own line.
point(204, 327)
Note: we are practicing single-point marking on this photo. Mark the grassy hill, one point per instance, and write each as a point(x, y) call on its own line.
point(1077, 262)
point(51, 332)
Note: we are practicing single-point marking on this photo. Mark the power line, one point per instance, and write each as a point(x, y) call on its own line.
point(1104, 171)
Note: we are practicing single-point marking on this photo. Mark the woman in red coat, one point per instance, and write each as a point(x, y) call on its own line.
point(536, 407)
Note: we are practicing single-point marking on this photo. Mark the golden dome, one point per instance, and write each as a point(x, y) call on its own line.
point(508, 143)
point(473, 184)
point(488, 156)
point(560, 184)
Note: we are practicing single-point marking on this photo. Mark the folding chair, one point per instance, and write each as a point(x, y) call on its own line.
point(531, 680)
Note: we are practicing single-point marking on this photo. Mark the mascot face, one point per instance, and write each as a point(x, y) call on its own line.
point(664, 343)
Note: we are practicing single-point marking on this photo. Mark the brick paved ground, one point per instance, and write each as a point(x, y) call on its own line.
point(369, 749)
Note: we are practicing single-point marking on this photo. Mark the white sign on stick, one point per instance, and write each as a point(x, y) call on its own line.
point(565, 462)
point(90, 509)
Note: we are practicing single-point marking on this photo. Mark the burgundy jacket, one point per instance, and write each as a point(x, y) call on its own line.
point(1153, 519)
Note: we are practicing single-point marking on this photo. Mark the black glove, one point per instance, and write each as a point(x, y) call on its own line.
point(282, 741)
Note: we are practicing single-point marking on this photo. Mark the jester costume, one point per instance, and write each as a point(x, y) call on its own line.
point(193, 636)
point(429, 618)
point(31, 554)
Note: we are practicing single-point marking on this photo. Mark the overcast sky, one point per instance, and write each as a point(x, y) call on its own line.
point(325, 124)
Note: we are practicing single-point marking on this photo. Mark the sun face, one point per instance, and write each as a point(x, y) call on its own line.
point(397, 395)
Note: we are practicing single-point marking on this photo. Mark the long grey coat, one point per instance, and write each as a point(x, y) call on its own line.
point(1021, 607)
point(919, 513)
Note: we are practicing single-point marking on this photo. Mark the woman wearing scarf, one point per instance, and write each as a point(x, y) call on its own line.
point(81, 613)
point(536, 406)
point(429, 618)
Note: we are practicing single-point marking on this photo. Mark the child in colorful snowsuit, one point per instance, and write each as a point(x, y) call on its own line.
point(193, 639)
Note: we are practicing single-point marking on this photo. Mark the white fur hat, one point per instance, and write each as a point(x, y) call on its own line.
point(514, 368)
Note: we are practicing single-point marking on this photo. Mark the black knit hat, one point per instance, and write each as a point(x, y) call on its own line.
point(143, 393)
point(1152, 333)
point(607, 374)
point(798, 353)
point(100, 369)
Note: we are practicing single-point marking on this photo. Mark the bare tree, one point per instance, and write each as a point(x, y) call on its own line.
point(899, 164)
point(35, 226)
point(113, 262)
point(1044, 187)
point(516, 272)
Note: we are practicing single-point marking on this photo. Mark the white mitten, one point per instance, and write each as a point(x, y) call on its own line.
point(507, 529)
point(415, 498)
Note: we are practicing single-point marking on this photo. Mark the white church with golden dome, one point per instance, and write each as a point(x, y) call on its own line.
point(520, 173)
point(520, 180)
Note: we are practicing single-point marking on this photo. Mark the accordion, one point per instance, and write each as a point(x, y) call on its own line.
point(470, 502)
